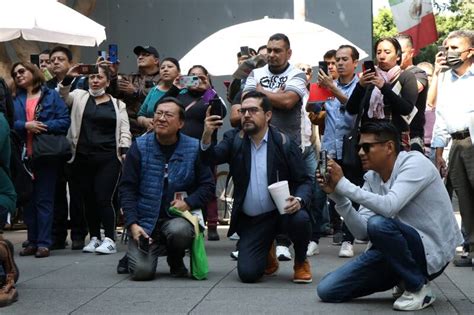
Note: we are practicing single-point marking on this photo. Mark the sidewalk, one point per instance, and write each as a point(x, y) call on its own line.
point(71, 282)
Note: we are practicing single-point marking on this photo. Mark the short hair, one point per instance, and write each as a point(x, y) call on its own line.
point(330, 54)
point(265, 103)
point(45, 52)
point(38, 77)
point(468, 34)
point(170, 99)
point(261, 47)
point(280, 36)
point(383, 131)
point(406, 38)
point(354, 51)
point(208, 75)
point(172, 60)
point(62, 49)
point(395, 44)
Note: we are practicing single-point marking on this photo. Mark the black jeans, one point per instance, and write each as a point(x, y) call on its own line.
point(97, 176)
point(258, 233)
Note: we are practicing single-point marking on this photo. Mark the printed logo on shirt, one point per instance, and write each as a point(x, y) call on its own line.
point(273, 82)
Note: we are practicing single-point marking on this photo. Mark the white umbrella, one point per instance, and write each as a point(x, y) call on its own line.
point(309, 42)
point(47, 21)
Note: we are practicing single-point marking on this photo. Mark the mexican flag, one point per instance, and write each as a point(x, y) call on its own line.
point(415, 18)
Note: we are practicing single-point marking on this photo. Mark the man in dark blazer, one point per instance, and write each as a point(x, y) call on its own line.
point(258, 156)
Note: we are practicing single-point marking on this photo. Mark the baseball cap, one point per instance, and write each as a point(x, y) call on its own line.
point(149, 49)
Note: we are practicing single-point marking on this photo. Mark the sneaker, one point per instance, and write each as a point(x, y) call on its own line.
point(356, 241)
point(272, 262)
point(234, 237)
point(337, 238)
point(464, 261)
point(107, 247)
point(91, 247)
point(302, 272)
point(346, 250)
point(234, 255)
point(412, 301)
point(283, 253)
point(397, 291)
point(313, 249)
point(122, 267)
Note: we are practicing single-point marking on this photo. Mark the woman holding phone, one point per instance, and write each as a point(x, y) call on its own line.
point(169, 73)
point(391, 92)
point(100, 137)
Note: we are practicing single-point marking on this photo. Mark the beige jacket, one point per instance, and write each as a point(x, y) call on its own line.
point(77, 100)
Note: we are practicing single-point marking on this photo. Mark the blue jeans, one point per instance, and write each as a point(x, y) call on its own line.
point(397, 255)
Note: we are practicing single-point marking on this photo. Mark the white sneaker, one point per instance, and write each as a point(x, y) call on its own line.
point(234, 255)
point(313, 249)
point(397, 291)
point(107, 247)
point(283, 253)
point(91, 247)
point(412, 301)
point(346, 250)
point(234, 237)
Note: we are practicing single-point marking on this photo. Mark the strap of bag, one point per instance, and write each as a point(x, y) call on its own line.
point(362, 107)
point(192, 104)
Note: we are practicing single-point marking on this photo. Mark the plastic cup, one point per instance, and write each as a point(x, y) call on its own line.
point(280, 192)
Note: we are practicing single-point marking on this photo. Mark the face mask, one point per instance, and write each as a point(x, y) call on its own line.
point(97, 93)
point(453, 59)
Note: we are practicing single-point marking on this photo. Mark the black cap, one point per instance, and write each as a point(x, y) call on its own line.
point(149, 49)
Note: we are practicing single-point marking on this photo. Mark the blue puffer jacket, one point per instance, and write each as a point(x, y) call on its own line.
point(182, 176)
point(52, 112)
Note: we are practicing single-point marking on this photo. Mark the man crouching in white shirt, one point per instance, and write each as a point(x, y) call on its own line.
point(405, 212)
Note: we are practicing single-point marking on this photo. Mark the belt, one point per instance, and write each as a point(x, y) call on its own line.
point(460, 135)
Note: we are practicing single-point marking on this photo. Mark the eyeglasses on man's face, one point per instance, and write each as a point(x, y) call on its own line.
point(167, 115)
point(252, 110)
point(368, 145)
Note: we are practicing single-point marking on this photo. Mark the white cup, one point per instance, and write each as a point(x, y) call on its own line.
point(280, 191)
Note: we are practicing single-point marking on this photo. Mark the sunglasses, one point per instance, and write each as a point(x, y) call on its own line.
point(252, 110)
point(307, 70)
point(368, 145)
point(19, 72)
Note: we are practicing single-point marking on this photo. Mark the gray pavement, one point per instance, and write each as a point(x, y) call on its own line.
point(71, 282)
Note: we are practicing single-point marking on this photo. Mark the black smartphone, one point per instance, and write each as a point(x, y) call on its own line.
point(35, 59)
point(442, 50)
point(245, 51)
point(323, 65)
point(323, 163)
point(88, 69)
point(144, 243)
point(216, 107)
point(113, 53)
point(368, 65)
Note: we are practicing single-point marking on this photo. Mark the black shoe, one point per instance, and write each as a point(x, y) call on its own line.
point(212, 234)
point(177, 267)
point(122, 267)
point(77, 244)
point(57, 245)
point(466, 261)
point(337, 238)
point(25, 244)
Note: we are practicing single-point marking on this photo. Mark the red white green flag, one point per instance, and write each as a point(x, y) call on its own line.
point(415, 18)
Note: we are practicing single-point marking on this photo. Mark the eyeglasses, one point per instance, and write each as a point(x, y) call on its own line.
point(368, 145)
point(19, 72)
point(167, 115)
point(252, 110)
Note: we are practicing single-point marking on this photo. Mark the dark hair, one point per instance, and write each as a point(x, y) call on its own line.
point(382, 131)
point(330, 54)
point(106, 70)
point(45, 52)
point(265, 103)
point(405, 37)
point(203, 70)
point(261, 47)
point(395, 44)
point(354, 51)
point(6, 102)
point(170, 99)
point(62, 49)
point(280, 36)
point(172, 60)
point(38, 78)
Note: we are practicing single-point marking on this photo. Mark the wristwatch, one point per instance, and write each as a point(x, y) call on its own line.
point(300, 201)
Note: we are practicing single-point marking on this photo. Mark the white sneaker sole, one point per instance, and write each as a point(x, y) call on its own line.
point(302, 281)
point(97, 251)
point(88, 251)
point(433, 298)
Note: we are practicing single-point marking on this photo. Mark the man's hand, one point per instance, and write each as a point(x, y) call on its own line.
point(36, 127)
point(441, 164)
point(333, 176)
point(125, 86)
point(136, 231)
point(292, 205)
point(325, 80)
point(181, 205)
point(74, 71)
point(211, 123)
point(440, 63)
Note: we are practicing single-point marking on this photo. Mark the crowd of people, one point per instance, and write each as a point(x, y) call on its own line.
point(140, 144)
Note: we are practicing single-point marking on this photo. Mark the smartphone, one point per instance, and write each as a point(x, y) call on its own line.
point(102, 54)
point(144, 243)
point(216, 107)
point(189, 81)
point(323, 163)
point(368, 65)
point(323, 65)
point(88, 69)
point(113, 53)
point(245, 51)
point(442, 50)
point(35, 59)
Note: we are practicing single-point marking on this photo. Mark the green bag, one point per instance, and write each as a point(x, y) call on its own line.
point(199, 265)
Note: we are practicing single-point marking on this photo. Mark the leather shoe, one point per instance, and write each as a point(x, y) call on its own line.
point(29, 250)
point(272, 262)
point(42, 252)
point(77, 244)
point(122, 267)
point(212, 234)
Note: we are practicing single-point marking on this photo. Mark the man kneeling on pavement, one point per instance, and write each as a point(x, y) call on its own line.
point(259, 155)
point(406, 214)
point(158, 167)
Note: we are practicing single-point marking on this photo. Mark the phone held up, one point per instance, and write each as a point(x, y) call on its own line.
point(113, 53)
point(323, 65)
point(245, 51)
point(189, 81)
point(88, 69)
point(216, 107)
point(323, 164)
point(368, 66)
point(144, 243)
